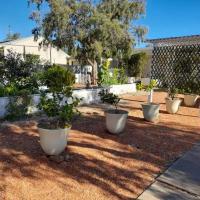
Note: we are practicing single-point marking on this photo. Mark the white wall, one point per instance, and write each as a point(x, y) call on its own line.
point(88, 96)
point(122, 89)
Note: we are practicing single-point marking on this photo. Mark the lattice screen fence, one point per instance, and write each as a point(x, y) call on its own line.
point(176, 66)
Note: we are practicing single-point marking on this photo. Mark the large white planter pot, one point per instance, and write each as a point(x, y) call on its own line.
point(53, 142)
point(172, 105)
point(116, 121)
point(190, 99)
point(151, 111)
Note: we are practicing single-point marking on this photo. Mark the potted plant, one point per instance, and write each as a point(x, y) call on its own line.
point(190, 97)
point(172, 102)
point(150, 109)
point(59, 106)
point(115, 118)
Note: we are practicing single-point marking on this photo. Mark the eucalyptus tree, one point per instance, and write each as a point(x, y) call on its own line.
point(90, 29)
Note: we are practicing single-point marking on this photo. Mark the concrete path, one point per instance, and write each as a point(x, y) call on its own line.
point(180, 182)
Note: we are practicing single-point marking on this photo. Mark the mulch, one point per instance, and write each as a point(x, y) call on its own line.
point(100, 166)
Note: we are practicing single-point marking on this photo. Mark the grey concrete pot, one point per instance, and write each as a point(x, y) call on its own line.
point(116, 120)
point(151, 111)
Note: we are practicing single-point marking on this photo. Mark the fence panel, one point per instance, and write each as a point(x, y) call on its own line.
point(176, 66)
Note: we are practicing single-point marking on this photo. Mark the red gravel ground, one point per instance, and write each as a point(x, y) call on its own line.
point(101, 166)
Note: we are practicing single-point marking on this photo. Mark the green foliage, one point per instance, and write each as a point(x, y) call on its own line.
point(109, 98)
point(61, 106)
point(57, 77)
point(17, 107)
point(8, 90)
point(104, 74)
point(153, 83)
point(18, 80)
point(173, 92)
point(114, 78)
point(2, 91)
point(89, 29)
point(18, 72)
point(136, 64)
point(117, 76)
point(140, 86)
point(122, 77)
point(191, 87)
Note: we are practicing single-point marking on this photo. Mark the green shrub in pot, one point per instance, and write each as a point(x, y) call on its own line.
point(150, 109)
point(172, 101)
point(60, 107)
point(115, 118)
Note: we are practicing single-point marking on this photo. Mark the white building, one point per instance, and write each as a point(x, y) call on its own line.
point(28, 45)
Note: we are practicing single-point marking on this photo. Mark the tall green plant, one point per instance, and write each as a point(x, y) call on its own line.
point(108, 76)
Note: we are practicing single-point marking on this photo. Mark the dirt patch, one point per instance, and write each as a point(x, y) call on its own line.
point(100, 166)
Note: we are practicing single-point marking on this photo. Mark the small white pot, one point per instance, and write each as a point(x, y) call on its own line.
point(190, 99)
point(172, 105)
point(151, 111)
point(116, 121)
point(53, 141)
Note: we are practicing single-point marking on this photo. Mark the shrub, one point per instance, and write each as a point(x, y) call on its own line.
point(9, 90)
point(153, 83)
point(57, 78)
point(109, 98)
point(103, 74)
point(117, 76)
point(122, 77)
point(172, 92)
point(21, 73)
point(191, 87)
point(136, 64)
point(61, 106)
point(17, 107)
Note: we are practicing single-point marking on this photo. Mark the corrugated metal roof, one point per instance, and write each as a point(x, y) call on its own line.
point(171, 40)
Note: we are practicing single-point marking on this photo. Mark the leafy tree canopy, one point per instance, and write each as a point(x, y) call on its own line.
point(91, 29)
point(136, 64)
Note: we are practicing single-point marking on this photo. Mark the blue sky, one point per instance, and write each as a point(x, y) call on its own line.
point(168, 18)
point(164, 18)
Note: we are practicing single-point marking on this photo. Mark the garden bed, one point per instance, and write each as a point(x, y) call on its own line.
point(100, 165)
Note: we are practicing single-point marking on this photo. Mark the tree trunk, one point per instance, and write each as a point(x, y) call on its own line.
point(94, 71)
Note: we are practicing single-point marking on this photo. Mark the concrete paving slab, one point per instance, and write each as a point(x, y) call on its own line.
point(161, 191)
point(185, 172)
